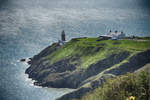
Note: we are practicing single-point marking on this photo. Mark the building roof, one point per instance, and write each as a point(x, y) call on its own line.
point(105, 36)
point(115, 34)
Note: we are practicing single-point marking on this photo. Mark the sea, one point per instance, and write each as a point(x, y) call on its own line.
point(28, 26)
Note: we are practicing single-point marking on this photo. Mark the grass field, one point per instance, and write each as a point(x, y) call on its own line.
point(86, 51)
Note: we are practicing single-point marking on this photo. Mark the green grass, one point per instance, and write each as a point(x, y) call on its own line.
point(86, 51)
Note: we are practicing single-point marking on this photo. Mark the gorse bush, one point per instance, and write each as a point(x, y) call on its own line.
point(123, 87)
point(131, 98)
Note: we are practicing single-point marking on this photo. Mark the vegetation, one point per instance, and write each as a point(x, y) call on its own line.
point(83, 52)
point(128, 87)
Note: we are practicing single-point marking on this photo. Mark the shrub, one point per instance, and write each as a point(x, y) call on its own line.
point(123, 88)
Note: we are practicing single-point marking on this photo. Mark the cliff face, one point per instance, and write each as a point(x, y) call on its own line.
point(85, 63)
point(136, 62)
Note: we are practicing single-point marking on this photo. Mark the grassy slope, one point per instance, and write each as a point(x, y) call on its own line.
point(83, 52)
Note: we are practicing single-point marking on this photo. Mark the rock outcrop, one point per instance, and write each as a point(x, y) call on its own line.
point(64, 75)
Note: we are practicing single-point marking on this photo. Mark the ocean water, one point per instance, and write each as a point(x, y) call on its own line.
point(28, 26)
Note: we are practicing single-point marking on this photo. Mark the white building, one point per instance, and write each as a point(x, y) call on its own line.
point(61, 42)
point(113, 35)
point(116, 35)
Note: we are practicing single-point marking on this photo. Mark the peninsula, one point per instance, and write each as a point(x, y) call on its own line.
point(86, 63)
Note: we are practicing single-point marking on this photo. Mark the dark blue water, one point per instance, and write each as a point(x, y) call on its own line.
point(28, 26)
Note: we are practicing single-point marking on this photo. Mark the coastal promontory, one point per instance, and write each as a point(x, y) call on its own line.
point(85, 63)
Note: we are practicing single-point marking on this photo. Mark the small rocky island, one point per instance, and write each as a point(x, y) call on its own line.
point(85, 63)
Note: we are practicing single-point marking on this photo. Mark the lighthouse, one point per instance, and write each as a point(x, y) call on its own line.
point(63, 36)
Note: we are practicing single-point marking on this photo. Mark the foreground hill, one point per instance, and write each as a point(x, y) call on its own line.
point(85, 63)
point(135, 85)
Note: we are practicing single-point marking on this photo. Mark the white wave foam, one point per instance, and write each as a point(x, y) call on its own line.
point(30, 81)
